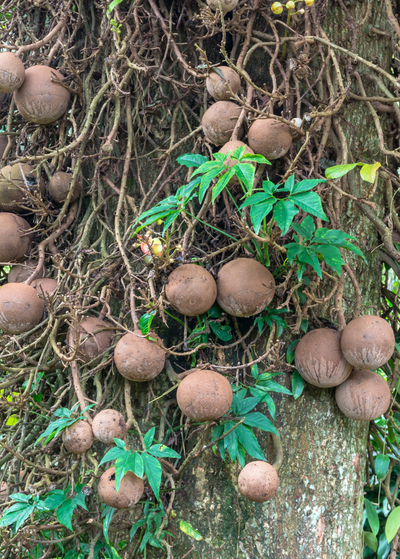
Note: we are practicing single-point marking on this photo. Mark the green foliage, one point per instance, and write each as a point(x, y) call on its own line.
point(272, 316)
point(65, 506)
point(297, 384)
point(65, 419)
point(145, 322)
point(313, 246)
point(149, 526)
point(284, 209)
point(367, 172)
point(211, 322)
point(139, 462)
point(190, 531)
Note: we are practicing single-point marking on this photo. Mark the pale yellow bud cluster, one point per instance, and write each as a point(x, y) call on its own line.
point(277, 7)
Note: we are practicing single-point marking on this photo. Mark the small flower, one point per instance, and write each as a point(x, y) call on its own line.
point(309, 2)
point(290, 5)
point(277, 8)
point(159, 222)
point(156, 247)
point(302, 11)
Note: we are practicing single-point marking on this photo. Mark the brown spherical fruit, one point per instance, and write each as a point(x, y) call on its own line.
point(78, 437)
point(45, 286)
point(21, 272)
point(109, 425)
point(130, 490)
point(13, 181)
point(320, 360)
point(368, 342)
point(12, 72)
point(221, 89)
point(363, 396)
point(138, 358)
point(270, 138)
point(20, 308)
point(92, 343)
point(191, 290)
point(226, 5)
point(41, 99)
point(204, 395)
point(59, 186)
point(245, 287)
point(219, 121)
point(258, 481)
point(15, 242)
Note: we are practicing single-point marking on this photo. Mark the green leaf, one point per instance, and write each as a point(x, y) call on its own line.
point(238, 152)
point(273, 386)
point(242, 406)
point(291, 352)
point(149, 437)
point(249, 442)
point(257, 198)
point(269, 187)
point(189, 530)
point(112, 454)
point(259, 421)
point(136, 527)
point(371, 541)
point(231, 440)
point(289, 185)
point(206, 180)
point(368, 172)
point(256, 158)
point(23, 516)
point(152, 469)
point(339, 171)
point(260, 211)
point(113, 4)
point(224, 333)
point(297, 384)
point(65, 512)
point(307, 256)
point(381, 465)
point(107, 515)
point(145, 322)
point(372, 515)
point(163, 451)
point(185, 191)
point(122, 465)
point(306, 228)
point(192, 160)
point(309, 202)
point(254, 371)
point(207, 167)
point(221, 184)
point(332, 256)
point(306, 185)
point(392, 524)
point(284, 212)
point(55, 499)
point(136, 464)
point(245, 172)
point(170, 219)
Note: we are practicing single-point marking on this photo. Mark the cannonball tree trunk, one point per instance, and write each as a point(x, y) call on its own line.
point(136, 74)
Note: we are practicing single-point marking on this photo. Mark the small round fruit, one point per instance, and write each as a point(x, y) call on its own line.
point(13, 180)
point(59, 185)
point(138, 358)
point(270, 138)
point(92, 343)
point(363, 396)
point(204, 395)
point(191, 290)
point(130, 490)
point(41, 99)
point(226, 5)
point(368, 342)
point(221, 89)
point(78, 437)
point(277, 8)
point(21, 272)
point(45, 286)
point(230, 147)
point(157, 247)
point(109, 425)
point(20, 308)
point(245, 287)
point(219, 121)
point(320, 360)
point(258, 481)
point(290, 5)
point(12, 72)
point(15, 242)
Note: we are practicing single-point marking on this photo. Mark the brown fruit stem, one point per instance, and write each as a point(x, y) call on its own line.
point(44, 41)
point(129, 412)
point(78, 390)
point(276, 440)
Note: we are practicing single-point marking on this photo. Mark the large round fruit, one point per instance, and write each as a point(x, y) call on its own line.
point(219, 88)
point(204, 395)
point(219, 121)
point(78, 437)
point(45, 286)
point(21, 272)
point(15, 242)
point(12, 72)
point(363, 396)
point(20, 308)
point(226, 5)
point(320, 360)
point(59, 186)
point(130, 490)
point(258, 481)
point(191, 290)
point(92, 343)
point(41, 99)
point(109, 425)
point(13, 181)
point(368, 342)
point(270, 138)
point(138, 358)
point(245, 287)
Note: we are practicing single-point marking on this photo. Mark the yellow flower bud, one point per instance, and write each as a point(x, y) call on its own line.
point(290, 5)
point(301, 11)
point(309, 2)
point(159, 222)
point(277, 8)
